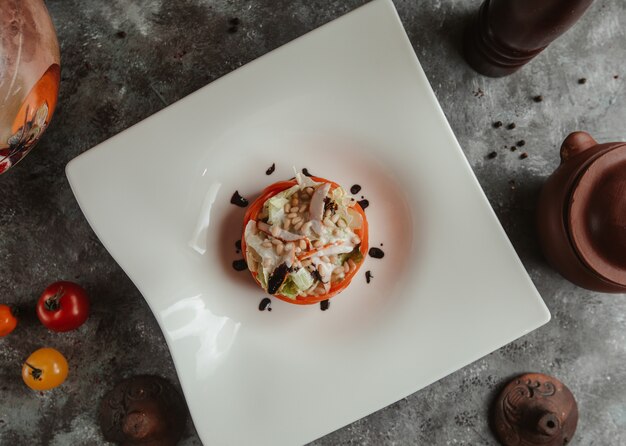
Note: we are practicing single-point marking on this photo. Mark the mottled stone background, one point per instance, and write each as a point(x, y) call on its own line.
point(123, 60)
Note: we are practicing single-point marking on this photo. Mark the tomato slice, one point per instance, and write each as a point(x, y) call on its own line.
point(276, 188)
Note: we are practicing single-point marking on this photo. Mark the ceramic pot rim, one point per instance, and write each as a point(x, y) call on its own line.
point(580, 194)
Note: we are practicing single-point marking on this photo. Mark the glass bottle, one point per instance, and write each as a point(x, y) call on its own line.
point(30, 73)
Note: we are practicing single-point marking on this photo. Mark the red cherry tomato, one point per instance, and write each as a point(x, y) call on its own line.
point(63, 306)
point(8, 321)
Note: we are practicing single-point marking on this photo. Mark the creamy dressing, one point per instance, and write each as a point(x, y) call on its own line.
point(306, 226)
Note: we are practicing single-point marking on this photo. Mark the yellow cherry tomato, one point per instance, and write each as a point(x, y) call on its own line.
point(8, 321)
point(45, 369)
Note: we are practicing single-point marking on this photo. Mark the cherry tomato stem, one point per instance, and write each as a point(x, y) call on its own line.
point(52, 303)
point(36, 373)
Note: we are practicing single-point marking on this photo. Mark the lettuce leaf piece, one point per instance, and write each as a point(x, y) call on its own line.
point(286, 193)
point(343, 201)
point(305, 181)
point(296, 282)
point(302, 278)
point(356, 219)
point(262, 276)
point(289, 288)
point(275, 206)
point(256, 253)
point(276, 210)
point(356, 255)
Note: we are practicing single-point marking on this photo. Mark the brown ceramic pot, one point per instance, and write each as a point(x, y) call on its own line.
point(581, 214)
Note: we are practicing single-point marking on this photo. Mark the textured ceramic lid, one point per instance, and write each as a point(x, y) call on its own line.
point(143, 410)
point(535, 410)
point(597, 215)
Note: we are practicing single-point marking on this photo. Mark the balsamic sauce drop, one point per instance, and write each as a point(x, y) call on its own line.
point(266, 304)
point(377, 253)
point(238, 200)
point(355, 189)
point(364, 204)
point(271, 169)
point(324, 305)
point(277, 278)
point(306, 172)
point(368, 276)
point(240, 265)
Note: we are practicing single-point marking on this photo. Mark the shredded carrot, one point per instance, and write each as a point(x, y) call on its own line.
point(312, 252)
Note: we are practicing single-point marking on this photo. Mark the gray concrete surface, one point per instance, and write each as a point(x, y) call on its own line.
point(123, 60)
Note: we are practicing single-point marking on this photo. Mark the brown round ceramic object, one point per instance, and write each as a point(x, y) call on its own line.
point(581, 213)
point(535, 409)
point(597, 215)
point(143, 410)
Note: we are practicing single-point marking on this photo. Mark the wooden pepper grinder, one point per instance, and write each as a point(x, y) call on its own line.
point(507, 34)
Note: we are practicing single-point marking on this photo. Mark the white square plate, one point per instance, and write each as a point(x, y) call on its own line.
point(350, 102)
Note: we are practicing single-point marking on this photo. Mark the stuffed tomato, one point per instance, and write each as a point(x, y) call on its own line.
point(304, 239)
